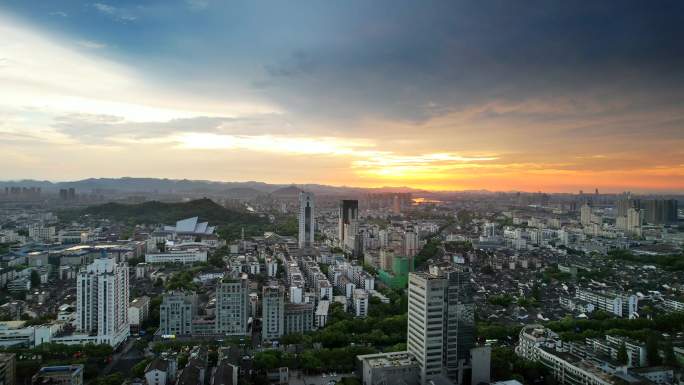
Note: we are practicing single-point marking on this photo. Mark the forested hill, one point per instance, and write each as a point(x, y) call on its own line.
point(229, 221)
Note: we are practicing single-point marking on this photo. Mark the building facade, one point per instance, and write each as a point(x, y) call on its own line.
point(348, 226)
point(307, 219)
point(621, 305)
point(388, 368)
point(176, 313)
point(102, 290)
point(232, 306)
point(299, 318)
point(273, 312)
point(441, 323)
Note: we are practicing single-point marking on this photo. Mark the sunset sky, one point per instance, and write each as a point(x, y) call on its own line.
point(445, 95)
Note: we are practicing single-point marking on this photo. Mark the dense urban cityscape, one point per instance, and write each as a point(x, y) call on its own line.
point(354, 192)
point(204, 283)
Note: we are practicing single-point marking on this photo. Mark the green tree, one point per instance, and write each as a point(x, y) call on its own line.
point(370, 269)
point(212, 357)
point(487, 269)
point(670, 358)
point(41, 320)
point(536, 292)
point(500, 300)
point(349, 381)
point(181, 280)
point(138, 369)
point(216, 259)
point(267, 360)
point(430, 250)
point(397, 347)
point(464, 217)
point(622, 354)
point(4, 248)
point(112, 379)
point(292, 339)
point(311, 361)
point(652, 355)
point(182, 360)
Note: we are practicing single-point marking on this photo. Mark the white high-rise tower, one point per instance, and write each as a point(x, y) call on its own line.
point(441, 322)
point(102, 301)
point(307, 219)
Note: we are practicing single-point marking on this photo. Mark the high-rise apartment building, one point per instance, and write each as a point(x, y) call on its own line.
point(102, 300)
point(625, 203)
point(633, 222)
point(176, 313)
point(138, 312)
point(273, 312)
point(232, 305)
point(653, 211)
point(411, 242)
point(396, 205)
point(425, 337)
point(348, 223)
point(360, 303)
point(586, 214)
point(441, 323)
point(299, 318)
point(307, 219)
point(660, 211)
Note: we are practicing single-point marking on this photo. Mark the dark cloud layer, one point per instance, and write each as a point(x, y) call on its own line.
point(416, 61)
point(400, 59)
point(575, 85)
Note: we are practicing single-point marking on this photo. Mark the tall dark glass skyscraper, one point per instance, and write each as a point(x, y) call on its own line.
point(307, 219)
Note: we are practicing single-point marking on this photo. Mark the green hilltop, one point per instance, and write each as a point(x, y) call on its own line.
point(230, 221)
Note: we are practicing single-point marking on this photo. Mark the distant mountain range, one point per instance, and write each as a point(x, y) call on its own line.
point(143, 186)
point(174, 186)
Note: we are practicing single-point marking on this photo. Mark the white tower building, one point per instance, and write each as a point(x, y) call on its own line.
point(441, 323)
point(103, 300)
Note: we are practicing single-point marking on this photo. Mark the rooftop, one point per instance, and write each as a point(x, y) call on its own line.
point(192, 226)
point(59, 370)
point(385, 360)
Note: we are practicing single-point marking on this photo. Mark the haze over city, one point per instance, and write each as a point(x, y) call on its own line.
point(532, 96)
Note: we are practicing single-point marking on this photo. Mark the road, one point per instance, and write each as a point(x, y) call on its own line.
point(121, 353)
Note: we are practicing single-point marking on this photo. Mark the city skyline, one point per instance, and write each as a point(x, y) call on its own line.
point(553, 97)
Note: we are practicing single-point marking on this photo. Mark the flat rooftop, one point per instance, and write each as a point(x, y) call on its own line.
point(387, 360)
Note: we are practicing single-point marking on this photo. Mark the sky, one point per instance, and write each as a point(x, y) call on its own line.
point(553, 96)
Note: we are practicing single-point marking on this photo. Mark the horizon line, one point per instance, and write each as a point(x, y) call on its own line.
point(589, 192)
